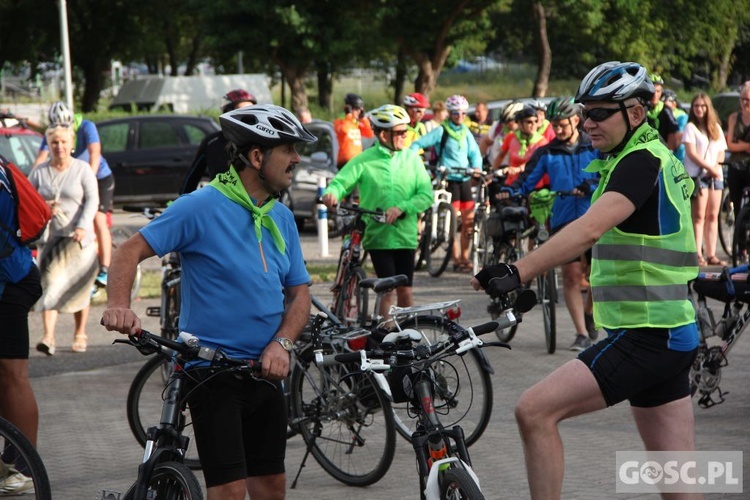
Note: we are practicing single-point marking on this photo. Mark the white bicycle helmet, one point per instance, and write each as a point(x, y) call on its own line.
point(456, 103)
point(510, 110)
point(388, 116)
point(263, 125)
point(60, 115)
point(538, 105)
point(616, 81)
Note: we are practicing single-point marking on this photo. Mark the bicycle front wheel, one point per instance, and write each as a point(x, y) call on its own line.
point(170, 480)
point(726, 222)
point(547, 289)
point(351, 298)
point(440, 248)
point(479, 240)
point(463, 389)
point(145, 401)
point(345, 419)
point(457, 484)
point(502, 252)
point(22, 471)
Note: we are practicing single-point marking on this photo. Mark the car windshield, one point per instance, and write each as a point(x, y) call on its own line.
point(21, 149)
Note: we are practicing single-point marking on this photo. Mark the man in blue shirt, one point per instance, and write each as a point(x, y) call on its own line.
point(244, 290)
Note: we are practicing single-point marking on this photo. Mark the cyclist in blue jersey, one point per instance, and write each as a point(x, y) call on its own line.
point(244, 290)
point(88, 148)
point(459, 152)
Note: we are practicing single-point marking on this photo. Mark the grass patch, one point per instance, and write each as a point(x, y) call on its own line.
point(151, 281)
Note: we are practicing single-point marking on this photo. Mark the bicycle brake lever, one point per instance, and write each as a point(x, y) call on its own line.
point(496, 344)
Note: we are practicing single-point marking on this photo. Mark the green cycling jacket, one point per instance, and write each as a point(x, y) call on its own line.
point(640, 280)
point(387, 179)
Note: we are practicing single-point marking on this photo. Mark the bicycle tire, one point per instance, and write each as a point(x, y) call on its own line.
point(344, 418)
point(478, 250)
point(458, 374)
point(170, 308)
point(504, 251)
point(119, 236)
point(420, 255)
point(726, 222)
point(20, 454)
point(144, 405)
point(171, 481)
point(457, 484)
point(741, 236)
point(546, 284)
point(350, 301)
point(441, 248)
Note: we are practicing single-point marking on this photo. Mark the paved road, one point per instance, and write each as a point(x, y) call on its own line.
point(87, 446)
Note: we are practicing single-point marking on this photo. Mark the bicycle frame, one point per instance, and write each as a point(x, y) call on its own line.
point(440, 194)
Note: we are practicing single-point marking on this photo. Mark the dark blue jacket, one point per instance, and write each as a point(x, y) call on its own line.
point(15, 259)
point(565, 170)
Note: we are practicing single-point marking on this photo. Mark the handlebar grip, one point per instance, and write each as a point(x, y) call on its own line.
point(347, 357)
point(488, 327)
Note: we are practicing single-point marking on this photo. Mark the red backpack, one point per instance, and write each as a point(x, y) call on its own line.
point(32, 212)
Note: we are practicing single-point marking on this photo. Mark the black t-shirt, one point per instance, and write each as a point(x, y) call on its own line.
point(636, 177)
point(210, 159)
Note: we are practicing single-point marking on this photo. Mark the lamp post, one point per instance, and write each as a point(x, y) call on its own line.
point(65, 44)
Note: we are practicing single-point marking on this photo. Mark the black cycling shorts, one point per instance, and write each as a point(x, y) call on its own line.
point(392, 262)
point(637, 365)
point(15, 303)
point(239, 425)
point(106, 193)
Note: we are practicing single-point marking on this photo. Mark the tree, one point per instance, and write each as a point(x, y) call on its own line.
point(444, 23)
point(545, 52)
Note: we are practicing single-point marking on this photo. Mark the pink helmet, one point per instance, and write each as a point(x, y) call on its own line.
point(456, 103)
point(416, 100)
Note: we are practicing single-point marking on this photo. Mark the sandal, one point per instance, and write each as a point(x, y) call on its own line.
point(464, 267)
point(46, 348)
point(702, 261)
point(79, 343)
point(715, 261)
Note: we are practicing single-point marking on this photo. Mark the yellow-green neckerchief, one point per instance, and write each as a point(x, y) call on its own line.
point(526, 141)
point(459, 135)
point(229, 184)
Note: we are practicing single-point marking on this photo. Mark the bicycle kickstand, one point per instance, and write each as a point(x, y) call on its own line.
point(310, 445)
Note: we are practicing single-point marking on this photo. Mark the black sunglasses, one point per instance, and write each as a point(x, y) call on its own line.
point(601, 114)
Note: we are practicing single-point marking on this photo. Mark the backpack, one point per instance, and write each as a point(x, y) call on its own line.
point(32, 211)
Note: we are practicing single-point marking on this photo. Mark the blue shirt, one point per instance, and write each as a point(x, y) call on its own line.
point(86, 134)
point(228, 299)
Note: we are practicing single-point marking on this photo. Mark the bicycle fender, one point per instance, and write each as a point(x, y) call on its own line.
point(383, 384)
point(432, 487)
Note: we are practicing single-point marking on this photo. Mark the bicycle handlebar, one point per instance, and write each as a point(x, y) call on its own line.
point(189, 349)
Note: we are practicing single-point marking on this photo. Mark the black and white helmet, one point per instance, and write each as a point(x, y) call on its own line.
point(510, 110)
point(263, 125)
point(616, 81)
point(60, 115)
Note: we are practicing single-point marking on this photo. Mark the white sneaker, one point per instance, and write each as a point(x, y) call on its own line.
point(16, 483)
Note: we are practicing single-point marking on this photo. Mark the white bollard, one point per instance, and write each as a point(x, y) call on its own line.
point(322, 220)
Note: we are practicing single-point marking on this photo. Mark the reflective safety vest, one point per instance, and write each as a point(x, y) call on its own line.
point(653, 115)
point(640, 280)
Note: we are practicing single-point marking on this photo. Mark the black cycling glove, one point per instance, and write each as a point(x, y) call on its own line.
point(584, 187)
point(503, 277)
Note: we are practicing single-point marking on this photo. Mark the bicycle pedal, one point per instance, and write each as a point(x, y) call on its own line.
point(153, 311)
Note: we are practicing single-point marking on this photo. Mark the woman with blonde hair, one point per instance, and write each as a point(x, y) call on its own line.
point(68, 251)
point(704, 152)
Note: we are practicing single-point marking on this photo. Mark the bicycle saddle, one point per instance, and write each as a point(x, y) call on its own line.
point(407, 334)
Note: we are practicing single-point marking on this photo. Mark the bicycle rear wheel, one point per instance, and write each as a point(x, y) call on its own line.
point(726, 222)
point(144, 405)
point(463, 393)
point(22, 471)
point(345, 419)
point(479, 240)
point(547, 289)
point(440, 247)
point(457, 484)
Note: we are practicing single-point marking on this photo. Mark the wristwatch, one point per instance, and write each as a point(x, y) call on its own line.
point(287, 344)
